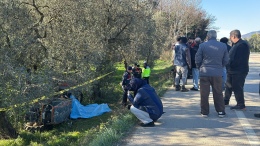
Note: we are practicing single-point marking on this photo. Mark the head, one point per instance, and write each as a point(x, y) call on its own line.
point(235, 36)
point(178, 38)
point(224, 40)
point(145, 63)
point(212, 34)
point(135, 65)
point(136, 84)
point(129, 69)
point(183, 40)
point(197, 40)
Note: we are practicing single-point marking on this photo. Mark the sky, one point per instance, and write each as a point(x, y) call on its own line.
point(243, 15)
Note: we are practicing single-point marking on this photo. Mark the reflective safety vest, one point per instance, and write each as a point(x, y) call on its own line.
point(146, 72)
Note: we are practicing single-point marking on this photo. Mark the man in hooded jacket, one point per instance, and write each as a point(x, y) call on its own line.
point(146, 104)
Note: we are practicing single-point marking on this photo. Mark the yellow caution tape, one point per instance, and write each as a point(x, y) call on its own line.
point(56, 93)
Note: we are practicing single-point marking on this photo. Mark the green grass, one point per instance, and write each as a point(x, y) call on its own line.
point(103, 130)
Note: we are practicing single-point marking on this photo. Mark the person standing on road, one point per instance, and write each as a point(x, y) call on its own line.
point(146, 104)
point(224, 75)
point(237, 70)
point(210, 59)
point(183, 63)
point(195, 71)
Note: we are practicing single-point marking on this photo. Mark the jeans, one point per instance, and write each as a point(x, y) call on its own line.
point(224, 77)
point(195, 76)
point(183, 72)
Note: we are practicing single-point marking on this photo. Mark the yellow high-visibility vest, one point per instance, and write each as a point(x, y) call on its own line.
point(146, 72)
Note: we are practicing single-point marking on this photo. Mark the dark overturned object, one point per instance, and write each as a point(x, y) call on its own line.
point(46, 113)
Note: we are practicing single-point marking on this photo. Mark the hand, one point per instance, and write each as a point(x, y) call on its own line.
point(128, 92)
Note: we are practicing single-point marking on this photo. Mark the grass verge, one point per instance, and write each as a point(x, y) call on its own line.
point(105, 130)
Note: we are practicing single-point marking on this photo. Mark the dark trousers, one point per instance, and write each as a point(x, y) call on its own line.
point(173, 73)
point(124, 102)
point(146, 79)
point(173, 81)
point(216, 84)
point(235, 82)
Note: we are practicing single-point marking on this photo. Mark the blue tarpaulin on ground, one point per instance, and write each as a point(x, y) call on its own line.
point(80, 111)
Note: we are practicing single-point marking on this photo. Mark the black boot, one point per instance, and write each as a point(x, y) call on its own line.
point(177, 87)
point(183, 89)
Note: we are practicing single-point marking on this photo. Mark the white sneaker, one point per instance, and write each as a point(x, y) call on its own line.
point(204, 116)
point(221, 114)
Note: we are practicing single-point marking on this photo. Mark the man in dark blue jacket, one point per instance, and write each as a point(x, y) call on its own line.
point(146, 105)
point(237, 70)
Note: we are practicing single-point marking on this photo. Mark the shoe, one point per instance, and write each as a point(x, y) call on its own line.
point(194, 89)
point(221, 114)
point(151, 124)
point(203, 115)
point(177, 88)
point(257, 115)
point(184, 90)
point(129, 106)
point(237, 107)
point(226, 102)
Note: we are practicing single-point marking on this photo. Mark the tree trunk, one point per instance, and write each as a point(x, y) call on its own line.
point(6, 129)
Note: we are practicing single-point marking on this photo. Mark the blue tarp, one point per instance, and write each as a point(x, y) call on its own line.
point(88, 111)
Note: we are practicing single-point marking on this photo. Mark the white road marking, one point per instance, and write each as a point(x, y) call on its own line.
point(250, 133)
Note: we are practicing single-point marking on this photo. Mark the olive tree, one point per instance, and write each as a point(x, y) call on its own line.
point(254, 42)
point(45, 43)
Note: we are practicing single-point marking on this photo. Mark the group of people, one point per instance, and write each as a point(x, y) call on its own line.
point(216, 65)
point(134, 72)
point(146, 105)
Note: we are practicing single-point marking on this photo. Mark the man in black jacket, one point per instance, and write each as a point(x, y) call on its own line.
point(137, 71)
point(237, 70)
point(127, 76)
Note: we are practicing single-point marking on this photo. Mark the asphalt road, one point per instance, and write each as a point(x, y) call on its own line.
point(182, 123)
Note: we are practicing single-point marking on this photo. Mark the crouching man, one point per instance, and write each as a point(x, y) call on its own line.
point(146, 104)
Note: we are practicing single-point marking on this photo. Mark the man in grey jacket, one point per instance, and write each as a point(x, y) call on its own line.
point(210, 59)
